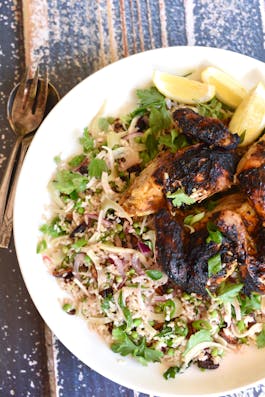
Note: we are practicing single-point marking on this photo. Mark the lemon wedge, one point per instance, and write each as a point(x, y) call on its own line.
point(249, 117)
point(182, 89)
point(227, 89)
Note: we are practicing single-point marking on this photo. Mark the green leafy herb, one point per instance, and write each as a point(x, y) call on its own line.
point(154, 274)
point(174, 141)
point(68, 308)
point(168, 306)
point(125, 346)
point(214, 264)
point(159, 119)
point(249, 304)
point(41, 246)
point(53, 229)
point(151, 144)
point(260, 340)
point(214, 108)
point(214, 234)
point(199, 337)
point(150, 97)
point(96, 167)
point(87, 141)
point(171, 372)
point(76, 160)
point(192, 219)
point(180, 197)
point(79, 244)
point(228, 291)
point(68, 181)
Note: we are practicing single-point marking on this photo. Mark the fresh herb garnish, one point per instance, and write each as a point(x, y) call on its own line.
point(68, 181)
point(192, 219)
point(214, 264)
point(180, 197)
point(124, 345)
point(213, 108)
point(199, 337)
point(41, 246)
point(53, 229)
point(154, 274)
point(201, 324)
point(87, 141)
point(228, 291)
point(260, 340)
point(171, 372)
point(96, 167)
point(76, 160)
point(126, 312)
point(249, 304)
point(214, 233)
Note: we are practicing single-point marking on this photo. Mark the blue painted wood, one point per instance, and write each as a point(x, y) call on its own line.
point(83, 37)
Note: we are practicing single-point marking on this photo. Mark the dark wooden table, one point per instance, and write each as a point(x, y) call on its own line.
point(75, 38)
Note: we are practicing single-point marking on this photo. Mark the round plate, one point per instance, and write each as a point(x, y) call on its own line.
point(58, 135)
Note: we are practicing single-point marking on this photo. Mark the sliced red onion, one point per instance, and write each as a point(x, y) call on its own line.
point(118, 263)
point(143, 248)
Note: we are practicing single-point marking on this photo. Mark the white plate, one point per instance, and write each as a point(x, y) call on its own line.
point(58, 135)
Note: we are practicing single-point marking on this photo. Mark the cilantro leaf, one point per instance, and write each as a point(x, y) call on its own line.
point(214, 108)
point(228, 291)
point(150, 97)
point(191, 219)
point(125, 346)
point(260, 340)
point(171, 372)
point(214, 233)
point(53, 229)
point(159, 119)
point(68, 181)
point(199, 337)
point(87, 141)
point(76, 160)
point(180, 197)
point(96, 167)
point(214, 264)
point(250, 303)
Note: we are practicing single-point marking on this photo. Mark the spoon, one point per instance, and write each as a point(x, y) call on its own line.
point(7, 222)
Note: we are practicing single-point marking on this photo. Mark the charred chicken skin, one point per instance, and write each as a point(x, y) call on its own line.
point(196, 170)
point(205, 129)
point(251, 176)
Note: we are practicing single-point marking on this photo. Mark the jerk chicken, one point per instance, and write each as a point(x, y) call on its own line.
point(199, 171)
point(196, 170)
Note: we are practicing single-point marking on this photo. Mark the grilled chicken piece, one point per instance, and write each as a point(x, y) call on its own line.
point(170, 238)
point(185, 257)
point(196, 170)
point(251, 176)
point(205, 129)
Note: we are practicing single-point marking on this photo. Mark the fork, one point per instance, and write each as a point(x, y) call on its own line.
point(25, 109)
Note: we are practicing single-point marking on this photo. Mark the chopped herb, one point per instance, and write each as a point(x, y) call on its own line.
point(68, 181)
point(171, 372)
point(214, 264)
point(214, 234)
point(180, 197)
point(260, 340)
point(174, 141)
point(96, 167)
point(250, 303)
point(87, 141)
point(79, 244)
point(53, 228)
point(241, 326)
point(191, 219)
point(154, 274)
point(76, 160)
point(41, 246)
point(214, 108)
point(159, 119)
point(125, 346)
point(168, 307)
point(228, 291)
point(199, 337)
